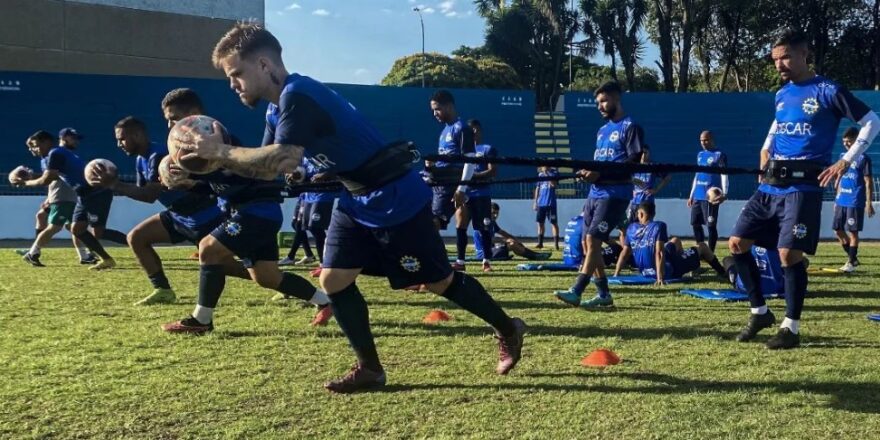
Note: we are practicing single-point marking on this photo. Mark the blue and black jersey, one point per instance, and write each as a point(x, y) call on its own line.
point(851, 193)
point(455, 139)
point(484, 190)
point(546, 190)
point(642, 239)
point(704, 181)
point(648, 181)
point(617, 142)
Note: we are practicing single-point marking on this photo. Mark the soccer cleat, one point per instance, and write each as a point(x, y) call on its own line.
point(458, 267)
point(568, 297)
point(188, 325)
point(358, 379)
point(487, 267)
point(784, 339)
point(286, 261)
point(316, 272)
point(33, 259)
point(159, 296)
point(597, 302)
point(89, 259)
point(22, 252)
point(322, 317)
point(848, 268)
point(510, 348)
point(104, 264)
point(305, 260)
point(756, 324)
point(856, 263)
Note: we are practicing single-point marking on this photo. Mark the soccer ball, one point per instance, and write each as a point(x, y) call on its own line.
point(20, 172)
point(714, 195)
point(165, 177)
point(100, 165)
point(200, 124)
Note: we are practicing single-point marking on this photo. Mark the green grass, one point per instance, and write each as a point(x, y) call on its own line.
point(77, 360)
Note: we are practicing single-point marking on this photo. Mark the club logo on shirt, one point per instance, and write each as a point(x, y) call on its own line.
point(316, 217)
point(759, 251)
point(711, 219)
point(780, 106)
point(614, 136)
point(710, 160)
point(487, 221)
point(603, 227)
point(448, 137)
point(410, 263)
point(93, 218)
point(233, 228)
point(850, 221)
point(799, 230)
point(810, 106)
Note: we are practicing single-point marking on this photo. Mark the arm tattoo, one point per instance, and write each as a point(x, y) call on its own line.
point(264, 163)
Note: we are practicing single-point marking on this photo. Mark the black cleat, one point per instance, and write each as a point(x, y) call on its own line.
point(33, 259)
point(756, 324)
point(90, 260)
point(358, 379)
point(784, 339)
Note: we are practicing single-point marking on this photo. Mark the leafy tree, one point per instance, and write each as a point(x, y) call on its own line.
point(456, 72)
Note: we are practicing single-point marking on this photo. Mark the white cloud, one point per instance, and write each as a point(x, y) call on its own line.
point(447, 6)
point(412, 2)
point(293, 6)
point(428, 10)
point(451, 14)
point(361, 72)
point(321, 12)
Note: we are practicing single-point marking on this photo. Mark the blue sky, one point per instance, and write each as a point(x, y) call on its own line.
point(357, 41)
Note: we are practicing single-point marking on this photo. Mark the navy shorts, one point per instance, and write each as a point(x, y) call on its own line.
point(546, 213)
point(442, 206)
point(688, 260)
point(785, 221)
point(704, 213)
point(178, 232)
point(603, 215)
point(317, 215)
point(848, 219)
point(480, 211)
point(409, 253)
point(251, 238)
point(93, 208)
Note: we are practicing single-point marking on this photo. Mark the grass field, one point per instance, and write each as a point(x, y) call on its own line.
point(77, 360)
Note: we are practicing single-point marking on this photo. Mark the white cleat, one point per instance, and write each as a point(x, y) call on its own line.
point(848, 268)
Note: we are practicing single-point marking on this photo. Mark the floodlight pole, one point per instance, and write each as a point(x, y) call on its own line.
point(422, 22)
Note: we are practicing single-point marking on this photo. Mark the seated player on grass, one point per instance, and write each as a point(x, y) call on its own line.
point(501, 251)
point(655, 255)
point(769, 266)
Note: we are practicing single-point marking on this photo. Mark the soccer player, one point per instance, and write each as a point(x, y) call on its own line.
point(92, 204)
point(317, 209)
point(656, 255)
point(382, 224)
point(620, 140)
point(702, 211)
point(455, 139)
point(249, 232)
point(770, 266)
point(785, 211)
point(478, 208)
point(544, 205)
point(510, 244)
point(188, 216)
point(645, 187)
point(300, 235)
point(855, 190)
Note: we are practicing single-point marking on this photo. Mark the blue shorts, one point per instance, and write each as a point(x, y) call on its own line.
point(442, 206)
point(603, 215)
point(178, 232)
point(546, 213)
point(688, 260)
point(251, 238)
point(93, 208)
point(316, 216)
point(480, 211)
point(848, 219)
point(409, 253)
point(784, 221)
point(704, 213)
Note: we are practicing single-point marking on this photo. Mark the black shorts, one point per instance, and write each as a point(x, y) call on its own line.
point(442, 206)
point(178, 232)
point(682, 263)
point(545, 213)
point(784, 221)
point(249, 237)
point(704, 213)
point(409, 253)
point(480, 211)
point(603, 215)
point(848, 219)
point(93, 208)
point(316, 216)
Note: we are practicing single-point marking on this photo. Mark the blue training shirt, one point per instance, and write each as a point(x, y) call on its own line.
point(851, 193)
point(642, 239)
point(477, 190)
point(317, 196)
point(478, 244)
point(455, 139)
point(546, 191)
point(704, 181)
point(616, 142)
point(649, 181)
point(807, 117)
point(337, 138)
point(770, 267)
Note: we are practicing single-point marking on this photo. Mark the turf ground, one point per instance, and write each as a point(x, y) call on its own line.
point(77, 360)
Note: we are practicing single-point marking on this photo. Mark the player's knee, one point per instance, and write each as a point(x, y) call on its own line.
point(335, 280)
point(440, 287)
point(134, 238)
point(266, 279)
point(790, 257)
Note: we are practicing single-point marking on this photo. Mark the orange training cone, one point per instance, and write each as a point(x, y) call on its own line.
point(600, 358)
point(435, 316)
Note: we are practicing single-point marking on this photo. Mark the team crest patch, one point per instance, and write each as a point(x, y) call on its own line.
point(316, 217)
point(760, 251)
point(799, 230)
point(850, 221)
point(93, 218)
point(233, 228)
point(710, 160)
point(711, 219)
point(810, 106)
point(410, 263)
point(603, 227)
point(448, 137)
point(487, 221)
point(614, 136)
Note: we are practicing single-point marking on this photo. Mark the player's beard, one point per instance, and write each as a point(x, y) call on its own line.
point(610, 112)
